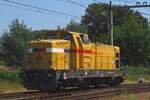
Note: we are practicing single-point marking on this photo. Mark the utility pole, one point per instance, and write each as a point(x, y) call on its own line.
point(111, 24)
point(138, 5)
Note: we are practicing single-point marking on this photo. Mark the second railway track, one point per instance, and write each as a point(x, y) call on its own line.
point(78, 94)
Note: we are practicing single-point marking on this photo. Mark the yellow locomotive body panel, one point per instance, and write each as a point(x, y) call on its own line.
point(105, 57)
point(49, 54)
point(98, 57)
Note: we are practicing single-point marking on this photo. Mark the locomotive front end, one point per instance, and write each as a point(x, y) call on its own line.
point(43, 63)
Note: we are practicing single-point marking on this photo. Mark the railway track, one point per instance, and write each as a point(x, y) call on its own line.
point(78, 94)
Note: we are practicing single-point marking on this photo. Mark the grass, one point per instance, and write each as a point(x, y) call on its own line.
point(10, 81)
point(129, 97)
point(10, 87)
point(132, 74)
point(10, 75)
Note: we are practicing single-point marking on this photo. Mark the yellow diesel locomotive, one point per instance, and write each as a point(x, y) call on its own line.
point(70, 59)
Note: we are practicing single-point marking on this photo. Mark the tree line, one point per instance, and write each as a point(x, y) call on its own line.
point(131, 34)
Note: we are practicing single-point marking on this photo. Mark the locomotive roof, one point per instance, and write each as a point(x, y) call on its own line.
point(63, 31)
point(48, 41)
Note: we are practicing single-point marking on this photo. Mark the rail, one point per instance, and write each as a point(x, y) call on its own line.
point(80, 94)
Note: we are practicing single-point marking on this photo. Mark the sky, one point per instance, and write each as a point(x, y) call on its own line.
point(37, 20)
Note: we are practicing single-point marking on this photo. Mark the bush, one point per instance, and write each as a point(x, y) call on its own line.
point(10, 76)
point(133, 73)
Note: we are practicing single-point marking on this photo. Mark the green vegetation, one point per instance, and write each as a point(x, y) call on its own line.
point(10, 87)
point(134, 73)
point(1, 62)
point(76, 27)
point(10, 81)
point(127, 96)
point(10, 76)
point(13, 43)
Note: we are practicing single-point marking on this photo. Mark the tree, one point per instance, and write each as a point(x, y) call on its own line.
point(14, 43)
point(76, 27)
point(38, 34)
point(97, 21)
point(131, 31)
point(133, 38)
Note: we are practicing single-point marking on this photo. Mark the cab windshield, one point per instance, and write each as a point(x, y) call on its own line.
point(64, 36)
point(85, 38)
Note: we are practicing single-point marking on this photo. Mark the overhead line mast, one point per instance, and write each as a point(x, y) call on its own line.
point(138, 5)
point(111, 24)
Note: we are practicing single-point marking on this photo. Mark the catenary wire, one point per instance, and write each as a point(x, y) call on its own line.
point(39, 8)
point(76, 3)
point(28, 9)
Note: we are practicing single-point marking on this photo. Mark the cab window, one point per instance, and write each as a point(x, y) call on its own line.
point(84, 39)
point(64, 36)
point(67, 37)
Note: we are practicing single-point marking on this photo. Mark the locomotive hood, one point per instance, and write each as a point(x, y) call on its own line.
point(43, 53)
point(47, 45)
